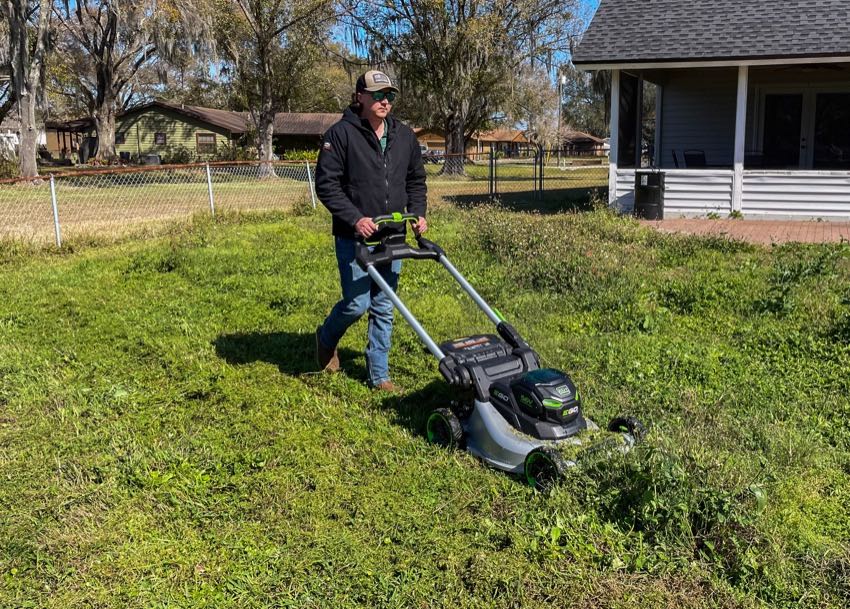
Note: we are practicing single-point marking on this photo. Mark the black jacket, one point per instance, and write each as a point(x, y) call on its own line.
point(355, 180)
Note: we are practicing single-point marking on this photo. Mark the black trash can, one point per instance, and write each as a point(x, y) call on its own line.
point(649, 194)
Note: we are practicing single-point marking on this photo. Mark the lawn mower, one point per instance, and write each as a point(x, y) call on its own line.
point(515, 415)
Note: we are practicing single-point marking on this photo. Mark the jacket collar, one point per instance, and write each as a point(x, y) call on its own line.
point(350, 116)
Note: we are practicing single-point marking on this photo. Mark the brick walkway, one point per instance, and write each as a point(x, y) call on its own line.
point(757, 231)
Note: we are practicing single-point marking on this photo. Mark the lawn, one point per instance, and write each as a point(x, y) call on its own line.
point(164, 441)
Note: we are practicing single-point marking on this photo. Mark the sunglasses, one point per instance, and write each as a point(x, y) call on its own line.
point(381, 95)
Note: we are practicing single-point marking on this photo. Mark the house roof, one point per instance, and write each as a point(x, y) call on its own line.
point(500, 135)
point(285, 123)
point(235, 122)
point(573, 136)
point(79, 125)
point(653, 31)
point(304, 123)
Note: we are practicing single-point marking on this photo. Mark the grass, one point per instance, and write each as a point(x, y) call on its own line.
point(164, 442)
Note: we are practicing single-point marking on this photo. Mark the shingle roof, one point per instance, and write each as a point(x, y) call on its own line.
point(304, 123)
point(501, 135)
point(630, 31)
point(574, 136)
point(285, 123)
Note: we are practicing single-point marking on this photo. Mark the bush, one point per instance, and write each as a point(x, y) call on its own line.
point(178, 155)
point(9, 168)
point(232, 152)
point(301, 155)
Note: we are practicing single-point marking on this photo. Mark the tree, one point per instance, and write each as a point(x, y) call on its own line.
point(272, 46)
point(105, 44)
point(456, 58)
point(586, 100)
point(533, 101)
point(28, 26)
point(6, 98)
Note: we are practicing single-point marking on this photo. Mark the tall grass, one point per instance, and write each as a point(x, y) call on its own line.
point(164, 441)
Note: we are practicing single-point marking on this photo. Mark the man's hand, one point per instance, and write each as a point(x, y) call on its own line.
point(420, 226)
point(365, 228)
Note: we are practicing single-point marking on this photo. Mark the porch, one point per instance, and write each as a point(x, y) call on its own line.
point(767, 141)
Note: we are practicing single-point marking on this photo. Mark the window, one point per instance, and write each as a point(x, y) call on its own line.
point(205, 143)
point(119, 139)
point(159, 138)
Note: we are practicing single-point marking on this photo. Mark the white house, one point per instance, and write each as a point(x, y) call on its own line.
point(752, 107)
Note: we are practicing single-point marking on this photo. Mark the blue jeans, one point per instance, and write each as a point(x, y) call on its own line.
point(359, 294)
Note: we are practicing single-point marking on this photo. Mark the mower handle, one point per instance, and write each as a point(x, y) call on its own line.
point(393, 218)
point(394, 247)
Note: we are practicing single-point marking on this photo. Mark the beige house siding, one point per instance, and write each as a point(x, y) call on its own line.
point(140, 129)
point(434, 140)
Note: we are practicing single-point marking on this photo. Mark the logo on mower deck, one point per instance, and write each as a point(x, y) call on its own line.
point(501, 395)
point(563, 391)
point(466, 343)
point(526, 399)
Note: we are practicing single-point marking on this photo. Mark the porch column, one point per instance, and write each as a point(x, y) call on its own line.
point(614, 135)
point(740, 134)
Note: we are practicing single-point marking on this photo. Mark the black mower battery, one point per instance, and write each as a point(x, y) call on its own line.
point(544, 403)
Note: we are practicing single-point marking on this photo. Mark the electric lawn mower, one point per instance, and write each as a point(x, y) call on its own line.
point(518, 417)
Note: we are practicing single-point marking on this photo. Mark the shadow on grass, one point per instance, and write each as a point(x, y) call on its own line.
point(293, 353)
point(553, 201)
point(412, 409)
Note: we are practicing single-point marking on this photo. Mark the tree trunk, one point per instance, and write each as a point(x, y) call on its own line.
point(455, 152)
point(28, 150)
point(27, 63)
point(104, 120)
point(265, 139)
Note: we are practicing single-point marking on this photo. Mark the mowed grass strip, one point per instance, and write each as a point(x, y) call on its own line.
point(164, 441)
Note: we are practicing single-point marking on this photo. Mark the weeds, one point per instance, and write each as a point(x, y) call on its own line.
point(165, 442)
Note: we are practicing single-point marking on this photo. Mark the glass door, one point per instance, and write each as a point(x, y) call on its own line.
point(783, 141)
point(831, 136)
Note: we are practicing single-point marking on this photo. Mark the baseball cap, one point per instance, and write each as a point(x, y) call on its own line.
point(374, 80)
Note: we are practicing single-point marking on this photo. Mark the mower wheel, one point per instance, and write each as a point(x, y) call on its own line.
point(544, 467)
point(630, 425)
point(444, 429)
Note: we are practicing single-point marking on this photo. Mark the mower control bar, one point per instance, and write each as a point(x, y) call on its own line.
point(394, 247)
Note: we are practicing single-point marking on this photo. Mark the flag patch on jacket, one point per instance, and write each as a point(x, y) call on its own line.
point(326, 146)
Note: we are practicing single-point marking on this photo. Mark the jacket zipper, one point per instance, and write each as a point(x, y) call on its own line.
point(386, 169)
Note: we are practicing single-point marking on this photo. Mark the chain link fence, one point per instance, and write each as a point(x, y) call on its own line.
point(120, 201)
point(523, 178)
point(123, 200)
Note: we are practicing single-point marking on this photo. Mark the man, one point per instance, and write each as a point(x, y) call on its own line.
point(369, 165)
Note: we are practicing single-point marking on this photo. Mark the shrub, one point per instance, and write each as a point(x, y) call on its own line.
point(9, 168)
point(178, 155)
point(232, 152)
point(302, 155)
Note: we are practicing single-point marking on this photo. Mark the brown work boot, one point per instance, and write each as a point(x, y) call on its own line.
point(327, 358)
point(389, 387)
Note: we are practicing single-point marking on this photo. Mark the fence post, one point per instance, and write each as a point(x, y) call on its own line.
point(492, 174)
point(542, 170)
point(56, 226)
point(312, 186)
point(209, 190)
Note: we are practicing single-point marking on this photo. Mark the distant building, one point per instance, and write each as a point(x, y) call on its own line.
point(161, 130)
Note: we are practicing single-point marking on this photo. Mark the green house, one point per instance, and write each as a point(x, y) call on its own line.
point(180, 133)
point(176, 132)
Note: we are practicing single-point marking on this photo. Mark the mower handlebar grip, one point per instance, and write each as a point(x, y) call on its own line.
point(395, 217)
